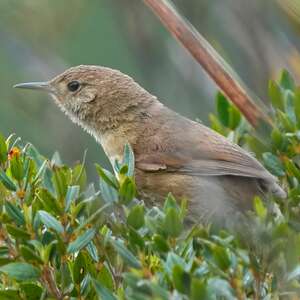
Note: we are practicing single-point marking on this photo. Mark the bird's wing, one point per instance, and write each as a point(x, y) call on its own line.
point(199, 151)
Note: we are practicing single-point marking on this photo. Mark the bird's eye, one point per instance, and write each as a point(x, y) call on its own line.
point(73, 86)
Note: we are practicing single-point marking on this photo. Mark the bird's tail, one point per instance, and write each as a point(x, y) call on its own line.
point(277, 190)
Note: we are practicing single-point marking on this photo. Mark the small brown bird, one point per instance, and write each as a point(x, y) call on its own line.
point(172, 153)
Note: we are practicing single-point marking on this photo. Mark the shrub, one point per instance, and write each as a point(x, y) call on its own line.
point(61, 238)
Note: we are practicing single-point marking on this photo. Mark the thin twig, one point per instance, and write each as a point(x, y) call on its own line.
point(209, 59)
point(48, 280)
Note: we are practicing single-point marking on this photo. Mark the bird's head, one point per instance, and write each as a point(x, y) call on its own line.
point(94, 95)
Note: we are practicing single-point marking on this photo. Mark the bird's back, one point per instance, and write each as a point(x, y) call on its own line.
point(175, 154)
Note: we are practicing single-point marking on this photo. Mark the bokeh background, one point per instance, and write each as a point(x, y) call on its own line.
point(40, 38)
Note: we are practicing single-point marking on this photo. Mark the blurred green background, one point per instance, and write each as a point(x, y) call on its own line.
point(41, 38)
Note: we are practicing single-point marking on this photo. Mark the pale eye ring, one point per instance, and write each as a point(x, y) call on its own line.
point(73, 86)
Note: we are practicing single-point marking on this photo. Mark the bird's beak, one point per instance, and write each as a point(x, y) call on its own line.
point(44, 86)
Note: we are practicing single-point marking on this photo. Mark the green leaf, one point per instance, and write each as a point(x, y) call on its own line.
point(21, 271)
point(136, 216)
point(273, 164)
point(286, 81)
point(60, 182)
point(93, 252)
point(79, 175)
point(81, 241)
point(105, 278)
point(221, 288)
point(259, 208)
point(16, 167)
point(56, 159)
point(35, 155)
point(123, 170)
point(128, 160)
point(31, 290)
point(48, 181)
point(256, 145)
point(7, 182)
point(85, 286)
point(172, 260)
point(170, 202)
point(173, 224)
point(40, 172)
point(277, 139)
point(65, 275)
point(79, 268)
point(28, 171)
point(10, 294)
point(289, 106)
point(47, 251)
point(72, 195)
point(275, 95)
point(286, 122)
point(223, 109)
point(297, 105)
point(15, 213)
point(49, 202)
point(292, 170)
point(161, 243)
point(181, 280)
point(3, 149)
point(30, 255)
point(4, 251)
point(136, 239)
point(234, 117)
point(108, 193)
point(127, 256)
point(127, 191)
point(295, 273)
point(216, 125)
point(17, 232)
point(199, 290)
point(102, 291)
point(93, 216)
point(107, 176)
point(50, 221)
point(221, 257)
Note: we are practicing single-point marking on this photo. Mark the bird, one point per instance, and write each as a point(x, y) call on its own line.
point(173, 154)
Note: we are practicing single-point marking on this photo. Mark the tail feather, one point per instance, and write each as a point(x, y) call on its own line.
point(276, 190)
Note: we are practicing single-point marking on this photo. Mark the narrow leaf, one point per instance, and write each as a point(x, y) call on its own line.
point(16, 167)
point(273, 164)
point(81, 241)
point(15, 213)
point(173, 224)
point(21, 271)
point(286, 81)
point(127, 191)
point(50, 221)
point(223, 109)
point(17, 232)
point(259, 208)
point(102, 291)
point(128, 160)
point(72, 195)
point(108, 193)
point(107, 177)
point(3, 149)
point(136, 216)
point(60, 182)
point(7, 182)
point(275, 95)
point(127, 256)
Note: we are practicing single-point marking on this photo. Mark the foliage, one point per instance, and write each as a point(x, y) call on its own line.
point(62, 239)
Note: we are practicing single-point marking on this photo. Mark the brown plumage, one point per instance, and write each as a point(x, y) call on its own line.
point(172, 153)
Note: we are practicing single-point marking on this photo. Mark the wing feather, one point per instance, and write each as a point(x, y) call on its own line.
point(201, 151)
